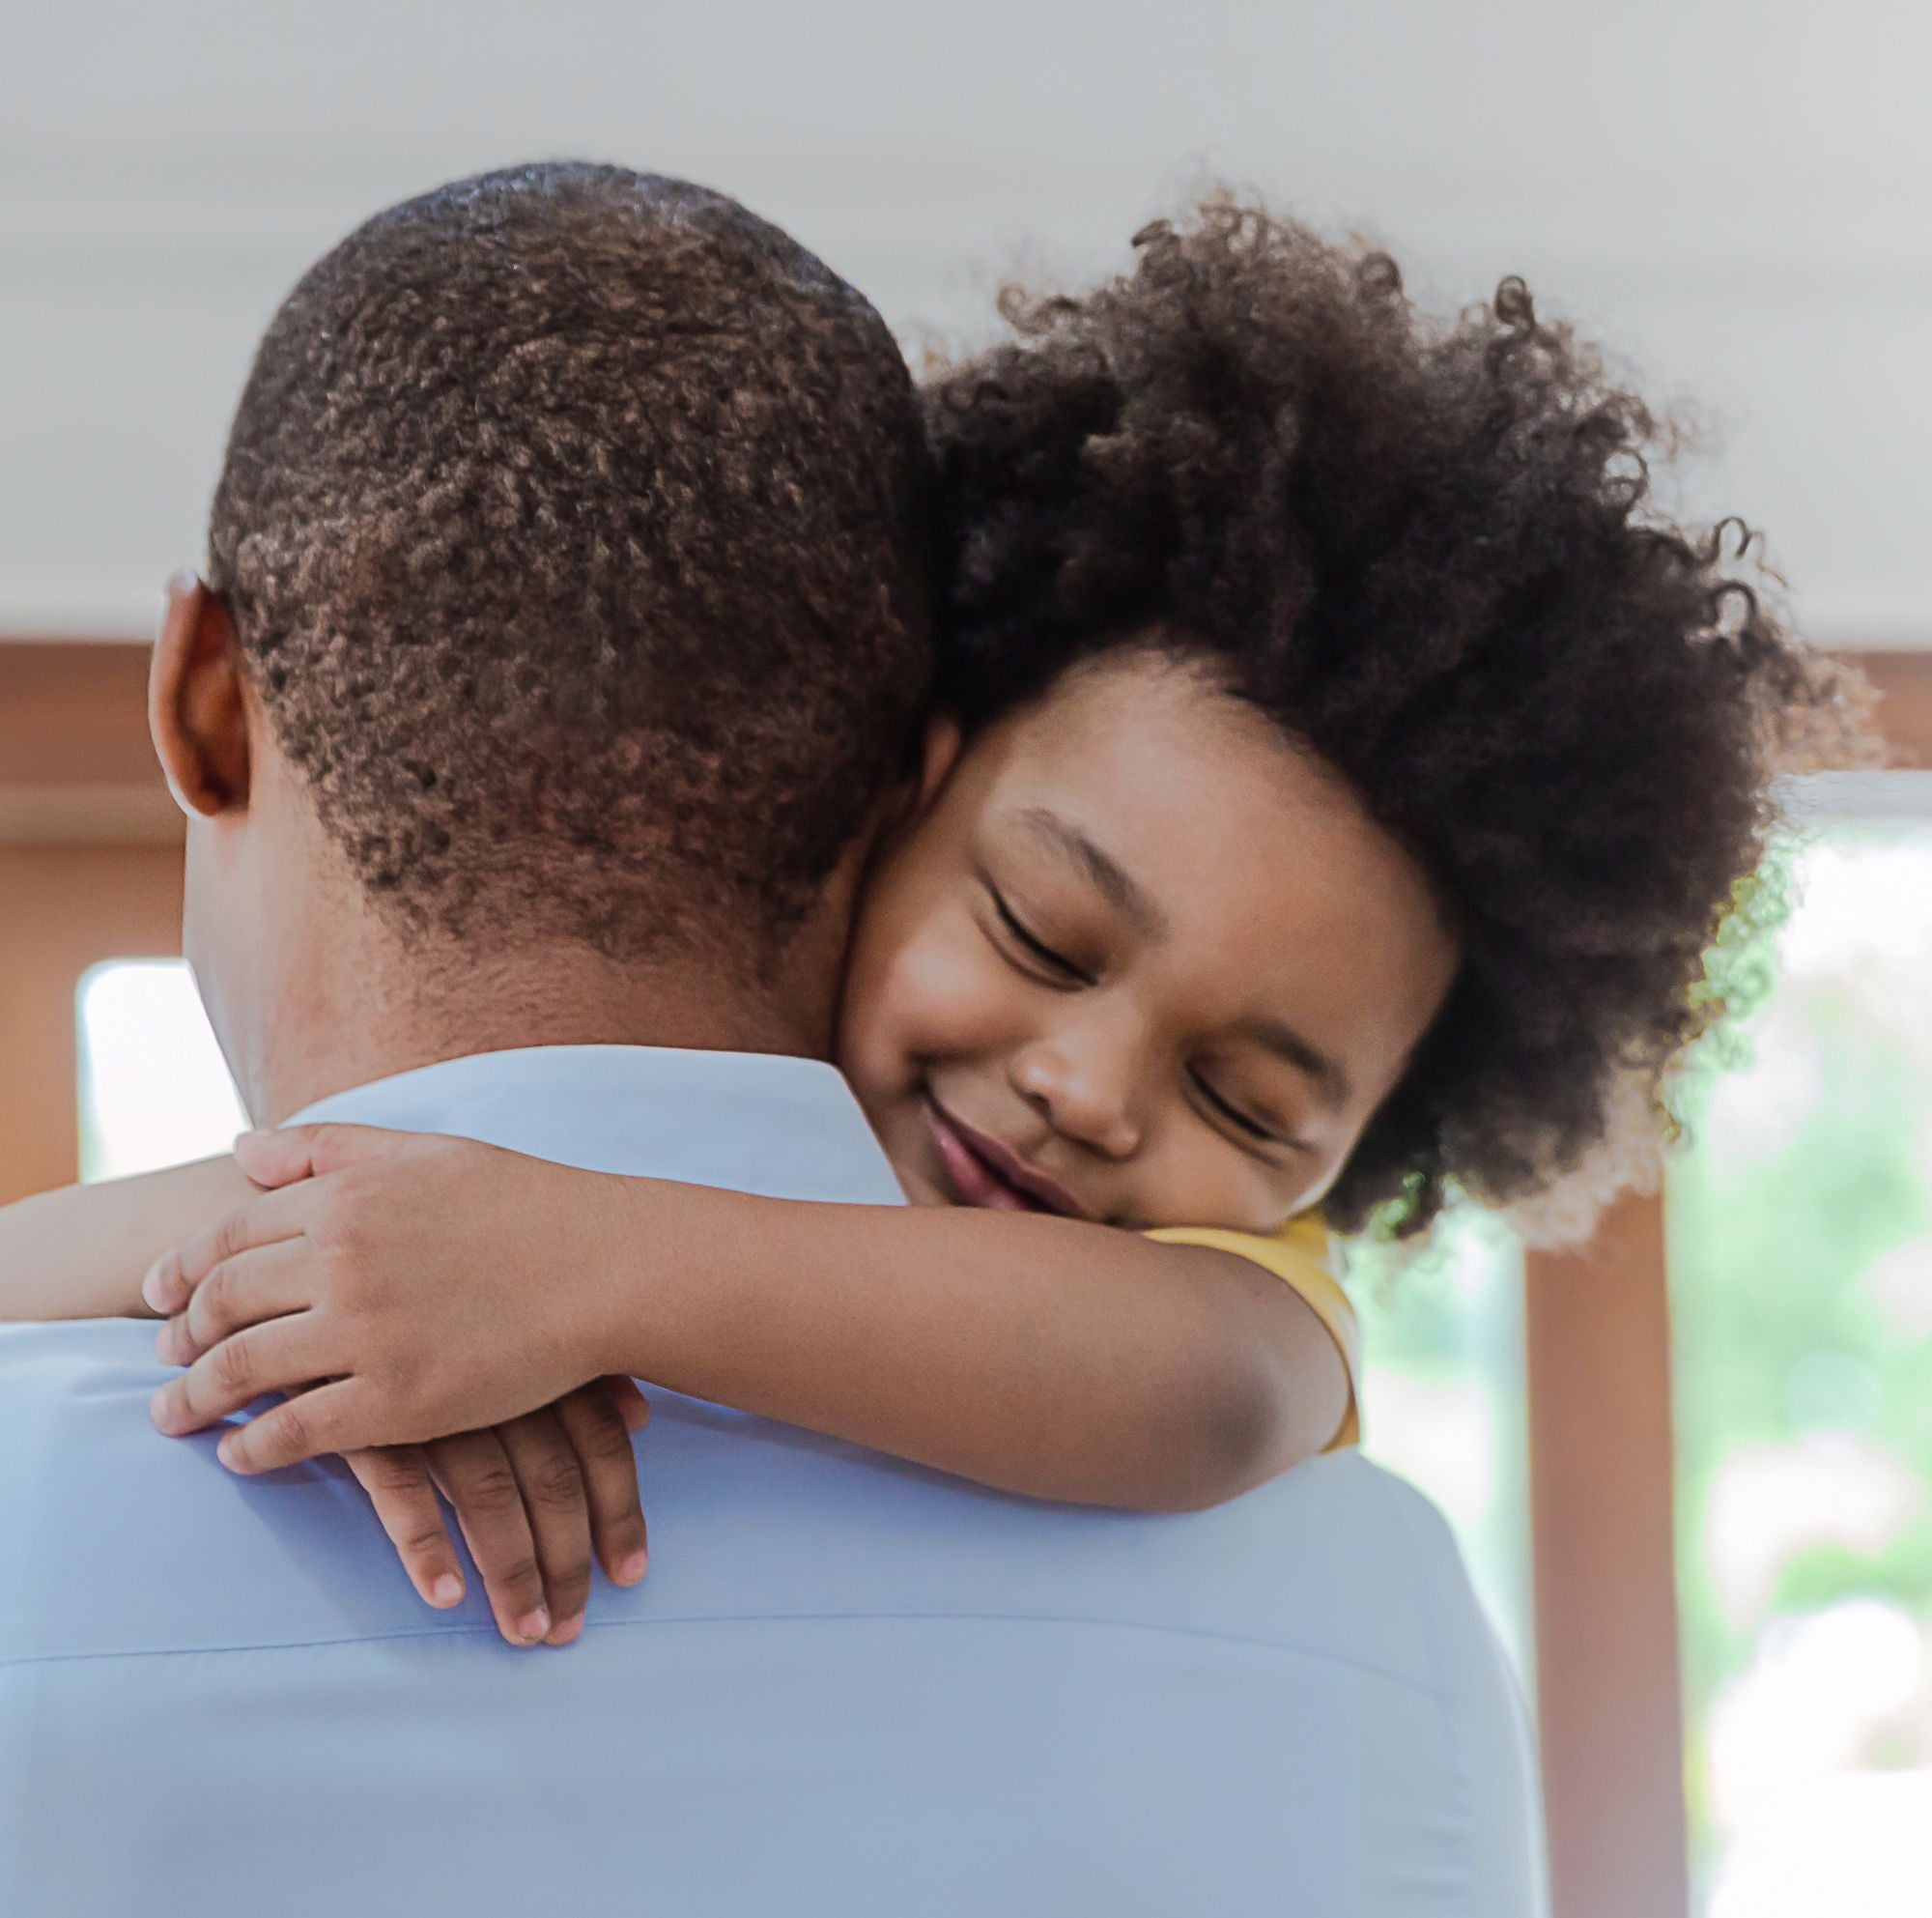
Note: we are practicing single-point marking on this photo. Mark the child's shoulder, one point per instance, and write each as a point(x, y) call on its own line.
point(1295, 1248)
point(1298, 1254)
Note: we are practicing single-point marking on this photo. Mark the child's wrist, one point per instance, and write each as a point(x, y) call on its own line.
point(632, 1248)
point(594, 1281)
point(669, 1260)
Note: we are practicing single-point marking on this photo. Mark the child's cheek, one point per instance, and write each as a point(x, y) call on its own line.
point(951, 995)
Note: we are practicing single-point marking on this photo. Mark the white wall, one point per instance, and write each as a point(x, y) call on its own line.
point(1739, 196)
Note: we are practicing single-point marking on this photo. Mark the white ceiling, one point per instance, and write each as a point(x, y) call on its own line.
point(1737, 196)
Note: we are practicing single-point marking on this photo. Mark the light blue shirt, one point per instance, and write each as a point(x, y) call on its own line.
point(848, 1686)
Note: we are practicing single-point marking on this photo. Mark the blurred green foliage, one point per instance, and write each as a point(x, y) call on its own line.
point(1780, 1336)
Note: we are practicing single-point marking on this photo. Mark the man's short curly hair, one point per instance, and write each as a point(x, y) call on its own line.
point(1429, 551)
point(572, 524)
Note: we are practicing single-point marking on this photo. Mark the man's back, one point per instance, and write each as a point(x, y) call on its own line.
point(847, 1685)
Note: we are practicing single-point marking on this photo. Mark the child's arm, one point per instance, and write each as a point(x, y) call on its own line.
point(80, 1253)
point(1034, 1353)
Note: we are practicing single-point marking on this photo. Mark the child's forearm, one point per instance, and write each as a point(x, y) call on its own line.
point(80, 1253)
point(1038, 1354)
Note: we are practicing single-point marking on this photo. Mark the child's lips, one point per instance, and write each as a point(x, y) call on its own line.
point(984, 1173)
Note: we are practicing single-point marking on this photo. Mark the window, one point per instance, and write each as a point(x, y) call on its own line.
point(153, 1089)
point(1801, 1261)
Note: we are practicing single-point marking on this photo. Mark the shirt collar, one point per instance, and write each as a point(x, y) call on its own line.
point(754, 1122)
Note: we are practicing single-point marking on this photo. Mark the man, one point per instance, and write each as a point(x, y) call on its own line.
point(567, 631)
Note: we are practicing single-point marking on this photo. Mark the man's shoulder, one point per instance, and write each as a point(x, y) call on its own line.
point(1343, 1553)
point(1337, 1560)
point(122, 1540)
point(68, 1369)
point(153, 1546)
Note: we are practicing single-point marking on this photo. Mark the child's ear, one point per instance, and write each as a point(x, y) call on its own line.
point(197, 714)
point(938, 756)
point(937, 753)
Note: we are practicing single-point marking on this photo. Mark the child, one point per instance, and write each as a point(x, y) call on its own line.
point(1341, 780)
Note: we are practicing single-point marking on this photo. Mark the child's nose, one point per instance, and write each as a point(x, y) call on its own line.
point(1079, 1097)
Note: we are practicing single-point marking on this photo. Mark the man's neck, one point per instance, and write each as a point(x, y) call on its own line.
point(319, 988)
point(384, 1013)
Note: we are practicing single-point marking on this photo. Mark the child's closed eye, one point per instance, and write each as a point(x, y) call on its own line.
point(1032, 946)
point(1263, 1131)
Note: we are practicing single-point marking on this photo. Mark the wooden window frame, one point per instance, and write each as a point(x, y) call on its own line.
point(90, 870)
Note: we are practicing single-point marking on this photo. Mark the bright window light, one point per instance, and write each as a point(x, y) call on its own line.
point(154, 1088)
point(1801, 1260)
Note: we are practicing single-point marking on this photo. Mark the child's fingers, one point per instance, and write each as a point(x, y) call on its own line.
point(320, 1419)
point(266, 1283)
point(602, 1437)
point(289, 1153)
point(280, 1355)
point(172, 1279)
point(398, 1482)
point(559, 1510)
point(475, 1475)
point(629, 1399)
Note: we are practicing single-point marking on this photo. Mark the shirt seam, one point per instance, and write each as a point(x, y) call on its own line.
point(42, 1660)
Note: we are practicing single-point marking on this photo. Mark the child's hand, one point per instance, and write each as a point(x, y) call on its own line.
point(534, 1498)
point(438, 1286)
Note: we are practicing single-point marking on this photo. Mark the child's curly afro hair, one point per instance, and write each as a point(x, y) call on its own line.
point(1428, 551)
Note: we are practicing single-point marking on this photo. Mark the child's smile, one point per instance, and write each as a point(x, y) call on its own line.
point(981, 1170)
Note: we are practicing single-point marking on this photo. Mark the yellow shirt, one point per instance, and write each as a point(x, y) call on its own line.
point(1299, 1255)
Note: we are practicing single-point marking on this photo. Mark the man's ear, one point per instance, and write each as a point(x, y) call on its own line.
point(196, 713)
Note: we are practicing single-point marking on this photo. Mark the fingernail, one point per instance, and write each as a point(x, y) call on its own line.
point(226, 1449)
point(535, 1626)
point(567, 1632)
point(446, 1590)
point(157, 1409)
point(633, 1568)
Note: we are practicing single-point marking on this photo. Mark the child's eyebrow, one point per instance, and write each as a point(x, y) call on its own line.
point(1121, 889)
